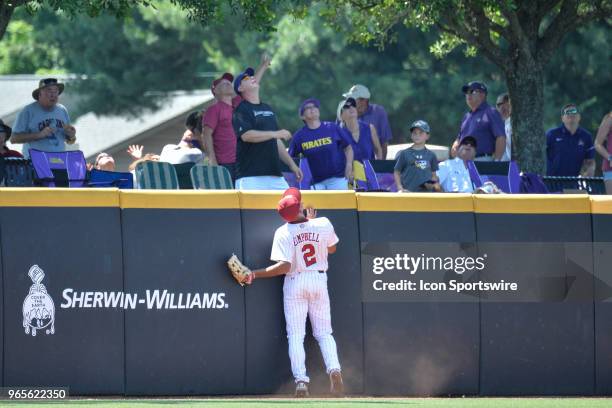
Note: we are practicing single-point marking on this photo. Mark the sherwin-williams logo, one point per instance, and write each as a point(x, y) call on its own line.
point(38, 307)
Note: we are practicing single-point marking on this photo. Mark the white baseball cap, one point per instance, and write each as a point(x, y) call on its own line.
point(358, 91)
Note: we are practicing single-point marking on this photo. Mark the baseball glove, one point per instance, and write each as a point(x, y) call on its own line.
point(238, 270)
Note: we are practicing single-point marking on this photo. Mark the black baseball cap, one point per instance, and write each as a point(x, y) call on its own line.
point(469, 140)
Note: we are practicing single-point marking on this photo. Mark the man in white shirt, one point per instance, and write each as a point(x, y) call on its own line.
point(504, 107)
point(453, 173)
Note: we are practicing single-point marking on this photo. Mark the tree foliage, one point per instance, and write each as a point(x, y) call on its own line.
point(321, 48)
point(127, 66)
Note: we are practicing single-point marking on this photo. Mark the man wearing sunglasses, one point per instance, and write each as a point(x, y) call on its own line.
point(260, 147)
point(44, 124)
point(483, 122)
point(504, 107)
point(569, 148)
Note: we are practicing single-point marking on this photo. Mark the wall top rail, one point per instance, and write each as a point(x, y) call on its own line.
point(59, 197)
point(601, 204)
point(180, 199)
point(415, 202)
point(333, 200)
point(532, 204)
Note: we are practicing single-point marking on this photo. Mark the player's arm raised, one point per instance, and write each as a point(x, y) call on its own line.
point(279, 268)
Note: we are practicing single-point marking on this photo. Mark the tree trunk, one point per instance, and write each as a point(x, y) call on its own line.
point(6, 12)
point(525, 82)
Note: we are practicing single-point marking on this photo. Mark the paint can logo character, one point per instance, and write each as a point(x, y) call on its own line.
point(38, 307)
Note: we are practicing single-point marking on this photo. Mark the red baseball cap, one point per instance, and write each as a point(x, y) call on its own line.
point(289, 204)
point(226, 75)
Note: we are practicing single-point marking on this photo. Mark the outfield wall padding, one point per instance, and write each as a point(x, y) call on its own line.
point(193, 343)
point(1, 303)
point(79, 248)
point(601, 208)
point(106, 254)
point(419, 348)
point(268, 368)
point(544, 344)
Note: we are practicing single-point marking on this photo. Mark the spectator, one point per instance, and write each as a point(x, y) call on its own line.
point(44, 124)
point(415, 170)
point(176, 154)
point(363, 137)
point(136, 152)
point(372, 114)
point(482, 122)
point(453, 174)
point(327, 148)
point(504, 107)
point(5, 135)
point(192, 137)
point(219, 137)
point(259, 148)
point(604, 135)
point(104, 161)
point(569, 147)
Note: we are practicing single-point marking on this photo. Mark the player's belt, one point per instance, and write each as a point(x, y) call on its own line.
point(310, 271)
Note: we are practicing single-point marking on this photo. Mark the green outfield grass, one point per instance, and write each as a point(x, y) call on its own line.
point(326, 403)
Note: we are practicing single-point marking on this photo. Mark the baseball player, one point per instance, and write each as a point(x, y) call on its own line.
point(300, 248)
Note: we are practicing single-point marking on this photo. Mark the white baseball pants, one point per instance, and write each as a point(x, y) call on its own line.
point(305, 294)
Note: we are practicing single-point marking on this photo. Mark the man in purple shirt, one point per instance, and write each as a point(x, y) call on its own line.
point(371, 114)
point(483, 122)
point(327, 148)
point(569, 147)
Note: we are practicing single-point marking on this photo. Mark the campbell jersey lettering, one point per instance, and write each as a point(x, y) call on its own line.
point(306, 236)
point(304, 244)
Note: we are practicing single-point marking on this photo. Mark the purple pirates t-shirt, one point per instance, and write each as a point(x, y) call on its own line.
point(324, 149)
point(486, 125)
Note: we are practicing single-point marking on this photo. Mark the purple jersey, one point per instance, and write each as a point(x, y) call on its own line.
point(485, 124)
point(364, 148)
point(377, 116)
point(324, 149)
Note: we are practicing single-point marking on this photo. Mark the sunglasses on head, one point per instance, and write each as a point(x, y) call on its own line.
point(48, 81)
point(570, 111)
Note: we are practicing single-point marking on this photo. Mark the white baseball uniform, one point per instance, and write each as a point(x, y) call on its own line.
point(305, 245)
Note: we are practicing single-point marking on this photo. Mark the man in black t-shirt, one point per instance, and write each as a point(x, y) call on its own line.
point(260, 147)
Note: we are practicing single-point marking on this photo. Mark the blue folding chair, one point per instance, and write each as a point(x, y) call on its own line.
point(59, 168)
point(505, 175)
point(103, 178)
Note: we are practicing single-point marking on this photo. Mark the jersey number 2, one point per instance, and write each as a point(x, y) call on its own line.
point(310, 257)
